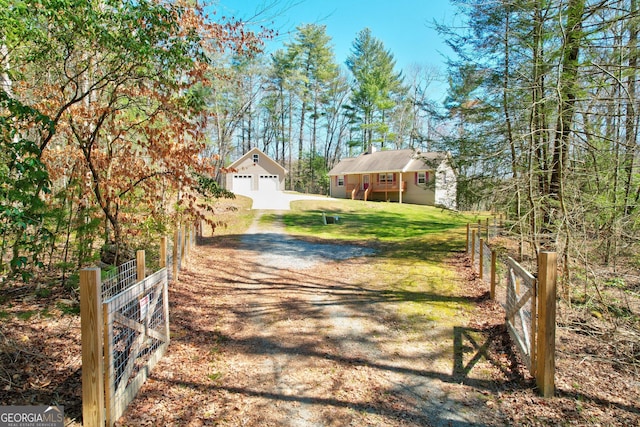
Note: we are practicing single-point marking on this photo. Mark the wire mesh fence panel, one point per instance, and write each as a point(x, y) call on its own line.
point(501, 283)
point(486, 230)
point(493, 228)
point(180, 247)
point(520, 310)
point(169, 260)
point(476, 252)
point(136, 337)
point(118, 279)
point(486, 262)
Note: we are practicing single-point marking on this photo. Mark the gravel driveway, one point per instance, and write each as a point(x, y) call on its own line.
point(277, 200)
point(271, 330)
point(336, 316)
point(275, 249)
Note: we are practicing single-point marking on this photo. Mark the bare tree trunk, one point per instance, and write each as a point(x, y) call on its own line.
point(538, 135)
point(507, 118)
point(312, 155)
point(568, 85)
point(301, 143)
point(631, 115)
point(5, 80)
point(290, 139)
point(282, 123)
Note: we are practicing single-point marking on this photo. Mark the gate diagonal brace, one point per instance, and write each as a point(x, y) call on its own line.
point(521, 302)
point(139, 327)
point(480, 350)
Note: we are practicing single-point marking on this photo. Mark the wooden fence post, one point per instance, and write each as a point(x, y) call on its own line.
point(481, 256)
point(494, 258)
point(163, 252)
point(141, 268)
point(176, 242)
point(546, 363)
point(92, 350)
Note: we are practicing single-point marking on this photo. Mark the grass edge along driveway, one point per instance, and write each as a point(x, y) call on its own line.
point(413, 244)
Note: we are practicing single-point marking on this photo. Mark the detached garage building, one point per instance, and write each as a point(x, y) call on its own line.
point(255, 171)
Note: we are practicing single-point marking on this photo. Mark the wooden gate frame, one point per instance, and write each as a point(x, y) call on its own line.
point(538, 349)
point(543, 295)
point(119, 395)
point(526, 344)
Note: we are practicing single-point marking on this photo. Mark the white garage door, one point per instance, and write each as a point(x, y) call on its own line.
point(268, 182)
point(242, 183)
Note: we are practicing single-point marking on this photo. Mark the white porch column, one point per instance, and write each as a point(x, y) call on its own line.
point(400, 189)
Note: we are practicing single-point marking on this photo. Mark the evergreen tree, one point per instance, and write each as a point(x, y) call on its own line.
point(552, 128)
point(312, 56)
point(376, 86)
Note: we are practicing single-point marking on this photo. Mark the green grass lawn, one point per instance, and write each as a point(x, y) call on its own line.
point(412, 244)
point(399, 229)
point(359, 220)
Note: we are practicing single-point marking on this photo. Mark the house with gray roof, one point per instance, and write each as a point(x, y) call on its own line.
point(403, 176)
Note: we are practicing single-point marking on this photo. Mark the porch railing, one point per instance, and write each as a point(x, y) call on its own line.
point(382, 187)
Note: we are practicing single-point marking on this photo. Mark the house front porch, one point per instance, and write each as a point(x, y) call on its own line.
point(363, 190)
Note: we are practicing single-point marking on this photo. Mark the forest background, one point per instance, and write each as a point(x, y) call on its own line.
point(117, 119)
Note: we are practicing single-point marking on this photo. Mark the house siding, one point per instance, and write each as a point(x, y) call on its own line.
point(446, 187)
point(419, 194)
point(350, 181)
point(440, 188)
point(338, 191)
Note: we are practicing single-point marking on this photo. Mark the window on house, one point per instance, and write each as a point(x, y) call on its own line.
point(386, 177)
point(255, 158)
point(340, 181)
point(422, 177)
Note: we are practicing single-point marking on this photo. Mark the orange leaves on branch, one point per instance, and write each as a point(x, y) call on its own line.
point(115, 83)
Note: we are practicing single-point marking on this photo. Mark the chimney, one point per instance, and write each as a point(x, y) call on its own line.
point(372, 149)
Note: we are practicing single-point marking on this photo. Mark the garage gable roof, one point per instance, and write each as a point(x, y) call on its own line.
point(389, 161)
point(263, 156)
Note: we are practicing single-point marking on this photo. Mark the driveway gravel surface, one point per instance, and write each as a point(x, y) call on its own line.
point(277, 200)
point(272, 330)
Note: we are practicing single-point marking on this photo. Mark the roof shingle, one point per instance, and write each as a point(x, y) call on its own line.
point(388, 161)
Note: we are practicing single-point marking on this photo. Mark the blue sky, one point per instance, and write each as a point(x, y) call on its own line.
point(403, 26)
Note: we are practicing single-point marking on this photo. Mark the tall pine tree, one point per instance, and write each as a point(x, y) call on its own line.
point(376, 86)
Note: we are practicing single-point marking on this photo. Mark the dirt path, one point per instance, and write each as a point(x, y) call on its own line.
point(275, 331)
